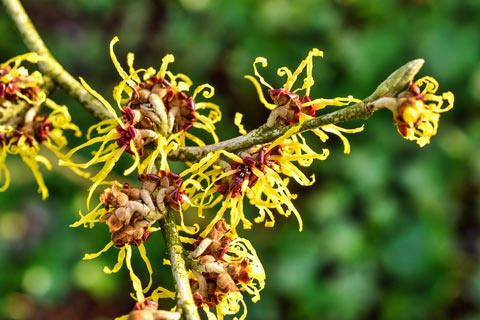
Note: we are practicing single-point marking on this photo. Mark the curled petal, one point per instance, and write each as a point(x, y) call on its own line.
point(115, 61)
point(239, 250)
point(136, 158)
point(285, 72)
point(261, 96)
point(122, 253)
point(103, 149)
point(30, 57)
point(136, 282)
point(31, 158)
point(131, 69)
point(125, 86)
point(290, 132)
point(308, 63)
point(263, 62)
point(107, 105)
point(439, 101)
point(206, 90)
point(180, 81)
point(238, 122)
point(90, 256)
point(162, 293)
point(430, 84)
point(336, 130)
point(103, 173)
point(169, 58)
point(92, 217)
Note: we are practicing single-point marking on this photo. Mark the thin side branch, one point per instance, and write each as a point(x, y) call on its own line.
point(51, 67)
point(390, 87)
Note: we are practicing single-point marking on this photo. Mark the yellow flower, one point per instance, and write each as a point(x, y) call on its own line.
point(24, 137)
point(116, 137)
point(130, 213)
point(156, 118)
point(418, 110)
point(17, 84)
point(159, 99)
point(130, 221)
point(240, 249)
point(262, 176)
point(223, 266)
point(289, 107)
point(29, 154)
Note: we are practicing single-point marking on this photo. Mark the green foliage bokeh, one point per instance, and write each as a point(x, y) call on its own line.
point(391, 230)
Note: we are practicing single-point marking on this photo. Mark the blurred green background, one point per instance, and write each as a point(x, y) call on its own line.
point(391, 231)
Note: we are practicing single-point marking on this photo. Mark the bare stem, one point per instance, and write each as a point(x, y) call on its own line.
point(390, 87)
point(51, 66)
point(180, 275)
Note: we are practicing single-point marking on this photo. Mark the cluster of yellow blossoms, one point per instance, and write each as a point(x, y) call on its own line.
point(156, 116)
point(262, 173)
point(24, 127)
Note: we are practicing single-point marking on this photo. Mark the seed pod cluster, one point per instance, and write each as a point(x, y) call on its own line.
point(136, 209)
point(216, 276)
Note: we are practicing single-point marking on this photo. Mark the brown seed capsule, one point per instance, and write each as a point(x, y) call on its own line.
point(114, 224)
point(143, 95)
point(207, 259)
point(225, 283)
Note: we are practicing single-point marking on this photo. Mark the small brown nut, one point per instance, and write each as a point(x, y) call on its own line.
point(225, 283)
point(114, 223)
point(207, 259)
point(143, 95)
